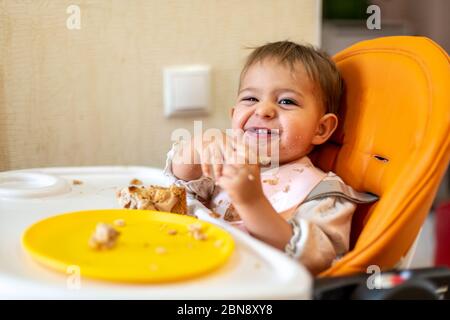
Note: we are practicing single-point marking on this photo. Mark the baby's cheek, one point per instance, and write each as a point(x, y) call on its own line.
point(293, 147)
point(238, 119)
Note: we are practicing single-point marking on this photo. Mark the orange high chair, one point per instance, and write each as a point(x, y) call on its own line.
point(393, 141)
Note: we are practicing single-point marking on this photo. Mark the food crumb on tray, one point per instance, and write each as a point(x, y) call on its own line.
point(214, 214)
point(104, 237)
point(136, 182)
point(272, 182)
point(76, 182)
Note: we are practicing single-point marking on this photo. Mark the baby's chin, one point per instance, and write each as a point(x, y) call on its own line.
point(289, 154)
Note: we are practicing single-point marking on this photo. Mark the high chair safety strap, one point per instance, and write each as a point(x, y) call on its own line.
point(327, 188)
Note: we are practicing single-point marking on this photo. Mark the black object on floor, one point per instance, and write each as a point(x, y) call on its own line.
point(424, 283)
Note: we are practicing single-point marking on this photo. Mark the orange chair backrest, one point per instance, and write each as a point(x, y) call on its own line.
point(393, 140)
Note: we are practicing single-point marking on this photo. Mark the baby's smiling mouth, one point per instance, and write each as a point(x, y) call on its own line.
point(262, 131)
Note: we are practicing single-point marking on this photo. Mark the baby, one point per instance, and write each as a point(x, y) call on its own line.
point(289, 94)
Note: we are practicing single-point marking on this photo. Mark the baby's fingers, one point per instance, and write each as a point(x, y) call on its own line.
point(240, 152)
point(230, 171)
point(206, 162)
point(233, 154)
point(217, 160)
point(225, 182)
point(212, 161)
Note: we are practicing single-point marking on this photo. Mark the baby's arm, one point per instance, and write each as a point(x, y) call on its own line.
point(321, 232)
point(185, 164)
point(316, 235)
point(197, 186)
point(263, 222)
point(192, 160)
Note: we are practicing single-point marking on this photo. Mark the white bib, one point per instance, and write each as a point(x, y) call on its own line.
point(285, 187)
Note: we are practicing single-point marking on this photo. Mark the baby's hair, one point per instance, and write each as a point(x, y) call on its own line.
point(318, 64)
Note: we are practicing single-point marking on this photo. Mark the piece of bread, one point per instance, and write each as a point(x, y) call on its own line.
point(172, 199)
point(231, 215)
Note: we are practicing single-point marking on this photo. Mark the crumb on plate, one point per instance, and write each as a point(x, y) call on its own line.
point(196, 230)
point(104, 237)
point(172, 232)
point(119, 223)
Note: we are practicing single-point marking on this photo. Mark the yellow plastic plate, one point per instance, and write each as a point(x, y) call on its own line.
point(61, 242)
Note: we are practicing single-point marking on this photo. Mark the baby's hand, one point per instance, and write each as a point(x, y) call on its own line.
point(212, 158)
point(216, 152)
point(233, 171)
point(196, 158)
point(242, 182)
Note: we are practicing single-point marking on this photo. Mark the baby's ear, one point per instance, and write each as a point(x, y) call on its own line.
point(325, 128)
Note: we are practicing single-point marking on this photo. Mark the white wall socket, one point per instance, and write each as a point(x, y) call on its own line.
point(187, 90)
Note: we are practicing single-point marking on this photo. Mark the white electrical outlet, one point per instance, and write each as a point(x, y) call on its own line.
point(187, 90)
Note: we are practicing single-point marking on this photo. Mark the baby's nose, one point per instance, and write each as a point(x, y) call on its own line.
point(265, 110)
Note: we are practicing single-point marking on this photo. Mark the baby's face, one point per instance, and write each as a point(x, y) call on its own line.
point(272, 96)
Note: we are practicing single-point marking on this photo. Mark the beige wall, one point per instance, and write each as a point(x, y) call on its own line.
point(94, 96)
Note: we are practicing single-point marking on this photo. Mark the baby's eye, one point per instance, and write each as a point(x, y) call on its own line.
point(287, 102)
point(251, 99)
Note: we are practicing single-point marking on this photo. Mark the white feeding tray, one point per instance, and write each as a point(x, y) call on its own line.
point(254, 271)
